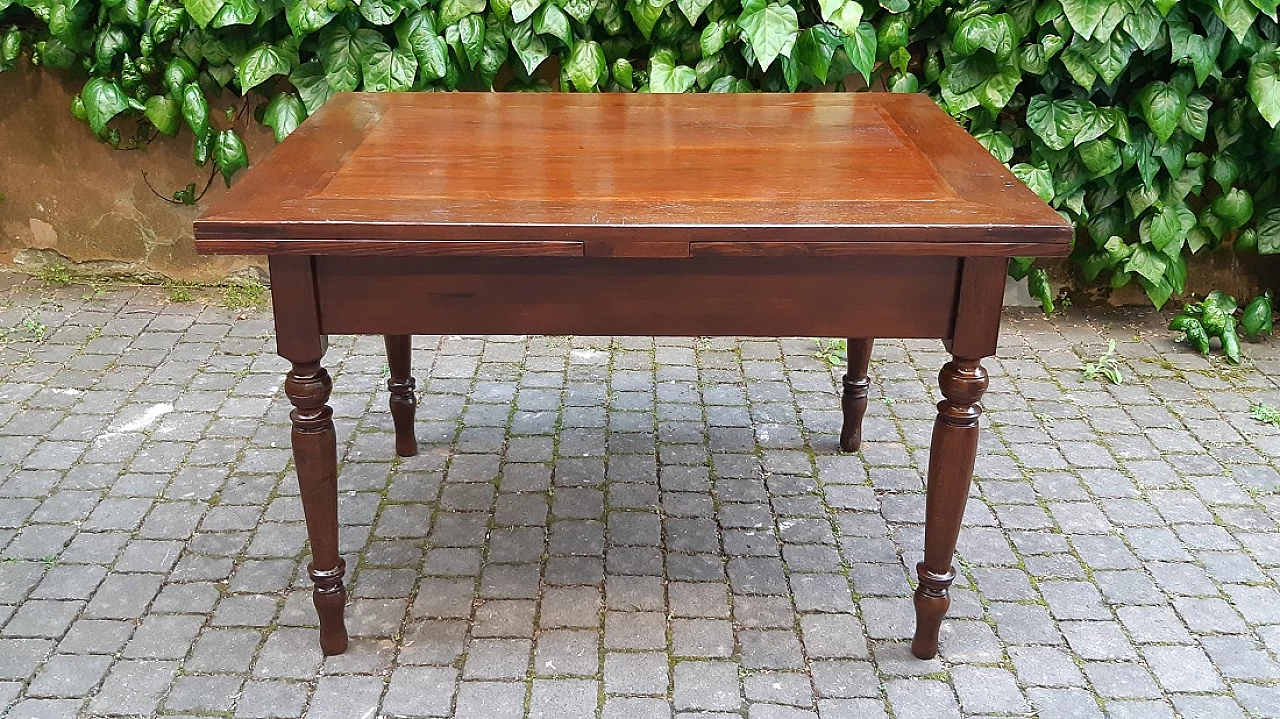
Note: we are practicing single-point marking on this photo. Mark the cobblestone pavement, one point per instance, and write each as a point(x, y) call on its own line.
point(624, 528)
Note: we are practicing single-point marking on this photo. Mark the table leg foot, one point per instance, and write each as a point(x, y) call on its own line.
point(932, 601)
point(951, 458)
point(316, 456)
point(403, 402)
point(854, 400)
point(330, 597)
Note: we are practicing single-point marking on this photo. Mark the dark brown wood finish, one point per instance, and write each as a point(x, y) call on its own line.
point(834, 215)
point(951, 456)
point(853, 402)
point(630, 170)
point(404, 403)
point(637, 296)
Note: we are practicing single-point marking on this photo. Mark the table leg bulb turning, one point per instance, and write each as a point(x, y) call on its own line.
point(316, 456)
point(403, 402)
point(853, 402)
point(951, 458)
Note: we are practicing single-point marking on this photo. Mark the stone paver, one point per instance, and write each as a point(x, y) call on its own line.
point(625, 528)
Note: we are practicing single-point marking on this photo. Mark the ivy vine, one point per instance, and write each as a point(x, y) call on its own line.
point(1152, 124)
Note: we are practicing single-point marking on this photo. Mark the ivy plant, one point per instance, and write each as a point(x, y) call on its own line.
point(1151, 124)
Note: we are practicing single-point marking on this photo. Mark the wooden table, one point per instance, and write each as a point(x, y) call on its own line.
point(829, 215)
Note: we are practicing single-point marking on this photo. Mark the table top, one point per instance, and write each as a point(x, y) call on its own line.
point(635, 175)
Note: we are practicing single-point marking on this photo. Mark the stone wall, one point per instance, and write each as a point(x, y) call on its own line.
point(70, 199)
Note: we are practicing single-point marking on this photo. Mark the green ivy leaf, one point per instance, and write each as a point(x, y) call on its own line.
point(1079, 67)
point(494, 54)
point(1224, 170)
point(307, 16)
point(522, 10)
point(847, 17)
point(990, 32)
point(467, 39)
point(714, 36)
point(666, 76)
point(693, 9)
point(998, 90)
point(389, 70)
point(417, 32)
point(1039, 179)
point(770, 28)
point(236, 12)
point(201, 149)
point(579, 10)
point(551, 20)
point(177, 74)
point(313, 85)
point(1264, 88)
point(203, 11)
point(10, 45)
point(111, 41)
point(164, 113)
point(1161, 229)
point(1101, 156)
point(586, 66)
point(380, 12)
point(645, 14)
point(1143, 25)
point(103, 99)
point(343, 52)
point(623, 73)
point(1057, 122)
point(1195, 119)
point(1237, 15)
point(229, 155)
point(451, 11)
point(861, 49)
point(1084, 15)
point(1148, 263)
point(1235, 207)
point(1110, 58)
point(529, 46)
point(815, 48)
point(259, 64)
point(283, 114)
point(1039, 287)
point(195, 109)
point(997, 143)
point(1161, 106)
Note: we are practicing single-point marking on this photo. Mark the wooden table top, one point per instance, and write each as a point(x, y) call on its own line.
point(634, 175)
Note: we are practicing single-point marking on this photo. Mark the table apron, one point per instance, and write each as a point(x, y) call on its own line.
point(872, 296)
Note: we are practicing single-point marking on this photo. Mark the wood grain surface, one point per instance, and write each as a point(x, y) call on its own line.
point(630, 175)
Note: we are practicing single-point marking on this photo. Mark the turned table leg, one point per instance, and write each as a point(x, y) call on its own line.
point(854, 400)
point(403, 403)
point(951, 457)
point(315, 454)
